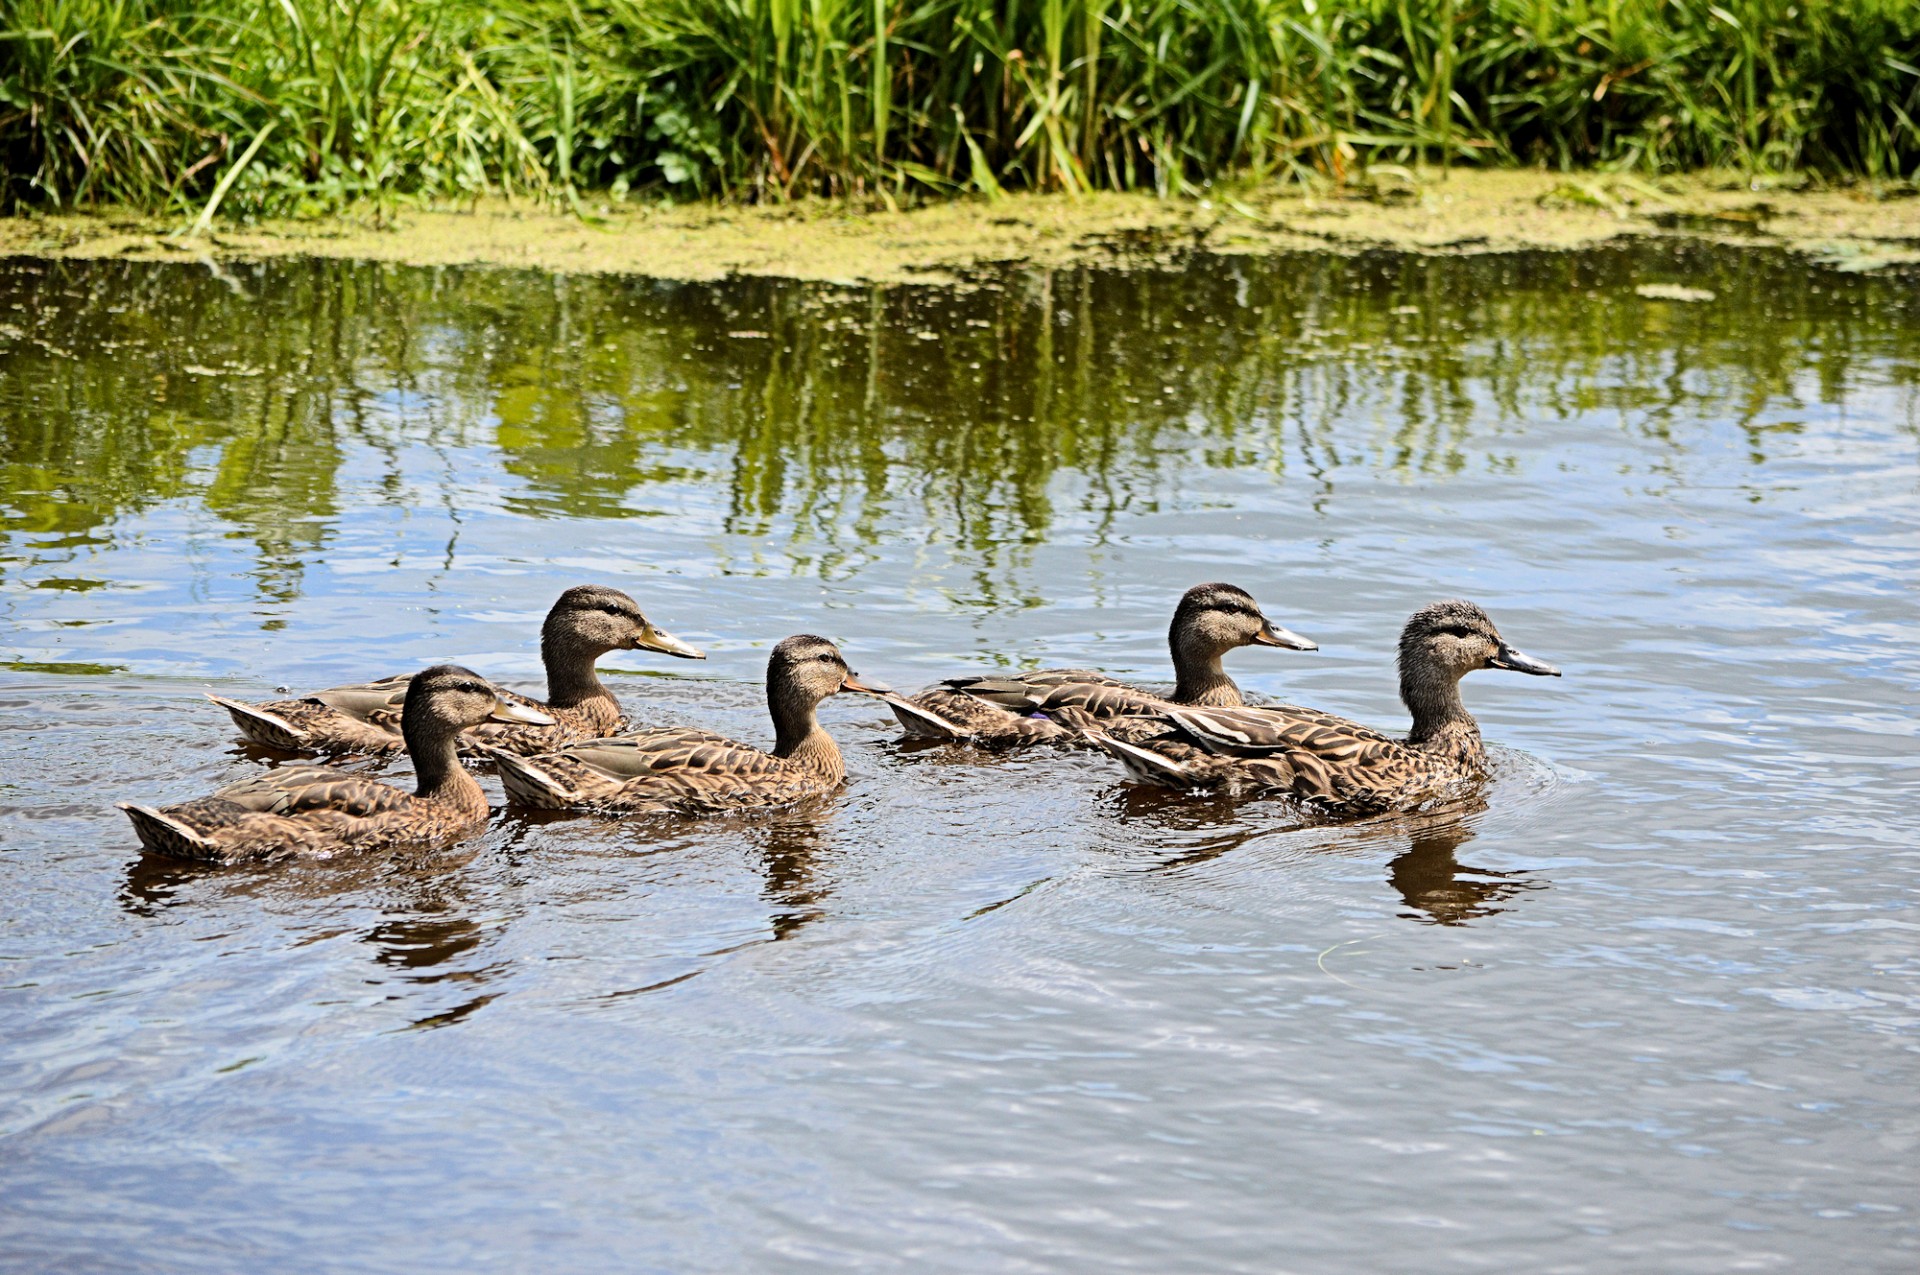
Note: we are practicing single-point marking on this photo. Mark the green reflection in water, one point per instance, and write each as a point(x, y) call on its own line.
point(841, 416)
point(64, 668)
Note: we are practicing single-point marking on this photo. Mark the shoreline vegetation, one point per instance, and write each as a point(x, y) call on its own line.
point(297, 107)
point(1861, 226)
point(878, 139)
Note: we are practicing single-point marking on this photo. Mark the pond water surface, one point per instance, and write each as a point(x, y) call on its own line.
point(1652, 1004)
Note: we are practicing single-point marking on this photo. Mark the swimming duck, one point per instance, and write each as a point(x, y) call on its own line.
point(1211, 620)
point(688, 770)
point(321, 811)
point(1329, 763)
point(585, 623)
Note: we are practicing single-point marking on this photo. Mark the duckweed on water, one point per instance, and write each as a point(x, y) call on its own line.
point(1463, 212)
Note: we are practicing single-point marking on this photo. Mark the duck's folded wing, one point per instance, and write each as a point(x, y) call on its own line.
point(1319, 720)
point(378, 703)
point(292, 790)
point(1251, 731)
point(1051, 677)
point(1326, 758)
point(1024, 692)
point(1105, 700)
point(670, 750)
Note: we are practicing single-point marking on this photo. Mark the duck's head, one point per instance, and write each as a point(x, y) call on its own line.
point(808, 669)
point(593, 618)
point(1213, 619)
point(1454, 638)
point(448, 698)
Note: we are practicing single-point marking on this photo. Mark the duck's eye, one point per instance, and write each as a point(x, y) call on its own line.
point(1457, 630)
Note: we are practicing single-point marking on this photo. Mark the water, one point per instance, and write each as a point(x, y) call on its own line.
point(1654, 1003)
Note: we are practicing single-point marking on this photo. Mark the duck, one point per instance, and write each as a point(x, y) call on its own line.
point(686, 770)
point(586, 622)
point(1209, 621)
point(1327, 763)
point(323, 811)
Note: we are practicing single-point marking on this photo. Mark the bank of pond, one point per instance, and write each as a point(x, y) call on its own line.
point(578, 751)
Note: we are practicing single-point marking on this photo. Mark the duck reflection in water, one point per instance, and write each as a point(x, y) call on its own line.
point(422, 947)
point(415, 947)
point(153, 880)
point(1440, 890)
point(1435, 887)
point(790, 851)
point(425, 938)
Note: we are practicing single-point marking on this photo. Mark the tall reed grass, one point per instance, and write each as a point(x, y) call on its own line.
point(254, 106)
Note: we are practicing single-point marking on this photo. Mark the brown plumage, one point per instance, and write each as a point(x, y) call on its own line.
point(319, 812)
point(692, 771)
point(1211, 620)
point(1332, 764)
point(585, 623)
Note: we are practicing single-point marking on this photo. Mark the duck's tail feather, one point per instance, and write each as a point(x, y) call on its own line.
point(1150, 767)
point(924, 723)
point(261, 727)
point(1144, 764)
point(163, 834)
point(529, 785)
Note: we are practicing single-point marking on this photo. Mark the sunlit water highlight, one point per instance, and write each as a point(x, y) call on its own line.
point(1653, 1003)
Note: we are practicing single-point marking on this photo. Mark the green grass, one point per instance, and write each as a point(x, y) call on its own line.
point(290, 106)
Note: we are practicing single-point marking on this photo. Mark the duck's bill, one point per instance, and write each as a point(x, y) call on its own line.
point(1521, 662)
point(1271, 634)
point(852, 683)
point(652, 639)
point(504, 711)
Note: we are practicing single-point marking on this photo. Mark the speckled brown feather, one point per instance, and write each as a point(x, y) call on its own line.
point(1336, 765)
point(1210, 620)
point(352, 723)
point(695, 771)
point(321, 811)
point(316, 821)
point(941, 713)
point(585, 622)
point(998, 708)
point(686, 770)
point(1330, 763)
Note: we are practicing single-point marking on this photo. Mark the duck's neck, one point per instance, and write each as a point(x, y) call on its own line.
point(1199, 680)
point(1441, 723)
point(573, 682)
point(438, 773)
point(799, 738)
